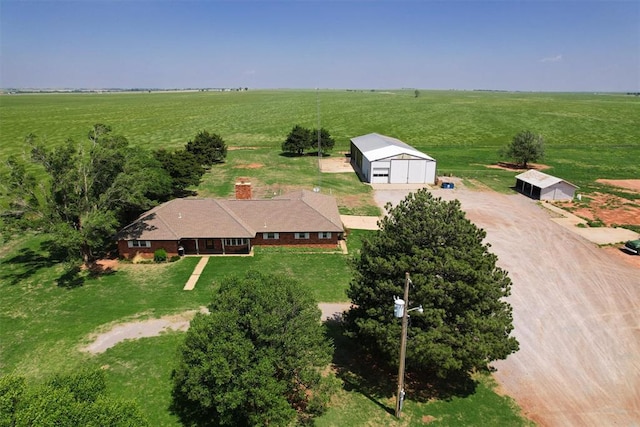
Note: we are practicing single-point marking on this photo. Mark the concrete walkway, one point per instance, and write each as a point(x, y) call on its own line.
point(597, 235)
point(360, 222)
point(191, 283)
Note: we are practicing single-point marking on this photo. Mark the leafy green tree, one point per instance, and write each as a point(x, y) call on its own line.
point(89, 191)
point(184, 169)
point(208, 148)
point(466, 321)
point(298, 140)
point(326, 140)
point(78, 399)
point(525, 147)
point(255, 359)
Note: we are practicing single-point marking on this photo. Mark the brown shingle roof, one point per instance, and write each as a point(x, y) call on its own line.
point(187, 218)
point(301, 211)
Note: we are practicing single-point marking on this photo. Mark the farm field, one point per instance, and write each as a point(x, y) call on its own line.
point(588, 136)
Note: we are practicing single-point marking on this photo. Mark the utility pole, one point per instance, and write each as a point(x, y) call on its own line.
point(403, 347)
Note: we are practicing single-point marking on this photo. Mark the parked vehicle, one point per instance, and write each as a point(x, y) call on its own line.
point(633, 246)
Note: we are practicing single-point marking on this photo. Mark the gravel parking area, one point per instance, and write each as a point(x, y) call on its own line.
point(576, 311)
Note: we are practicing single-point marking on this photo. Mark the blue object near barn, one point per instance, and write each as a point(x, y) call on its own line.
point(447, 185)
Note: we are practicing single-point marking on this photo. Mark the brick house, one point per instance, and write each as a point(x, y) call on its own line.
point(217, 226)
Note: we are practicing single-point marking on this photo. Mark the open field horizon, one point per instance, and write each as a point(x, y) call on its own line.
point(587, 136)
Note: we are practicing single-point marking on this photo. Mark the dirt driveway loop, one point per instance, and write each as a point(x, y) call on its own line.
point(576, 310)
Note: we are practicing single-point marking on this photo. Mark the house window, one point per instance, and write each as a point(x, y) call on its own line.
point(381, 173)
point(301, 235)
point(236, 242)
point(270, 236)
point(324, 235)
point(139, 243)
point(209, 244)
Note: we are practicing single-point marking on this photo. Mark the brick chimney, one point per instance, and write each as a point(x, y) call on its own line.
point(243, 189)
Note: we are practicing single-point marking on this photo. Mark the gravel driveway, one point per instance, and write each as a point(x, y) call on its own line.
point(576, 310)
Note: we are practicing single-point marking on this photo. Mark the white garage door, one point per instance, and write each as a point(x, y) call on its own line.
point(417, 171)
point(380, 176)
point(399, 171)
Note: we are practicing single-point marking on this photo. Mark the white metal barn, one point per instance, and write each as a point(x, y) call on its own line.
point(384, 160)
point(538, 185)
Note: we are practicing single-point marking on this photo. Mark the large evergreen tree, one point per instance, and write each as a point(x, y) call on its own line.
point(466, 321)
point(298, 140)
point(301, 139)
point(208, 148)
point(326, 140)
point(255, 359)
point(184, 169)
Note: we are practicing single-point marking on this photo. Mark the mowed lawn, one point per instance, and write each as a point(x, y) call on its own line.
point(44, 326)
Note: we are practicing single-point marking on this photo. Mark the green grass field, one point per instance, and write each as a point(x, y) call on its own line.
point(43, 325)
point(588, 136)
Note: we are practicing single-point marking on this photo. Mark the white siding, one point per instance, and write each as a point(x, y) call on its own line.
point(559, 191)
point(399, 171)
point(405, 164)
point(430, 176)
point(417, 172)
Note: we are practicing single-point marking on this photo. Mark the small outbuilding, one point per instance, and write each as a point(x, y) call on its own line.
point(381, 159)
point(541, 186)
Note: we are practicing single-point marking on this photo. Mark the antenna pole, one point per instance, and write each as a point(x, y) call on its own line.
point(319, 145)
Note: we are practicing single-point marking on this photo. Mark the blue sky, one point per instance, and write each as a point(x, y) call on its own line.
point(556, 45)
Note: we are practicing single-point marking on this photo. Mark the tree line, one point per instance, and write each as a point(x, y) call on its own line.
point(300, 139)
point(92, 188)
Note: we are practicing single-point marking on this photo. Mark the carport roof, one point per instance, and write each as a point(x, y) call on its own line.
point(376, 147)
point(540, 179)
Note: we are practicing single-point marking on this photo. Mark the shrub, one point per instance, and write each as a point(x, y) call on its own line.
point(160, 255)
point(595, 223)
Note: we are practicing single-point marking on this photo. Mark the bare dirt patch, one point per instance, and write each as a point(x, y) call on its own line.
point(624, 256)
point(516, 167)
point(102, 266)
point(241, 148)
point(611, 209)
point(249, 166)
point(629, 184)
point(338, 164)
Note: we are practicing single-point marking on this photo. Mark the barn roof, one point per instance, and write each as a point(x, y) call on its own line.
point(377, 147)
point(540, 179)
point(301, 211)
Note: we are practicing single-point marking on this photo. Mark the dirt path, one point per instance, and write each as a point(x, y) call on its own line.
point(178, 322)
point(576, 311)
